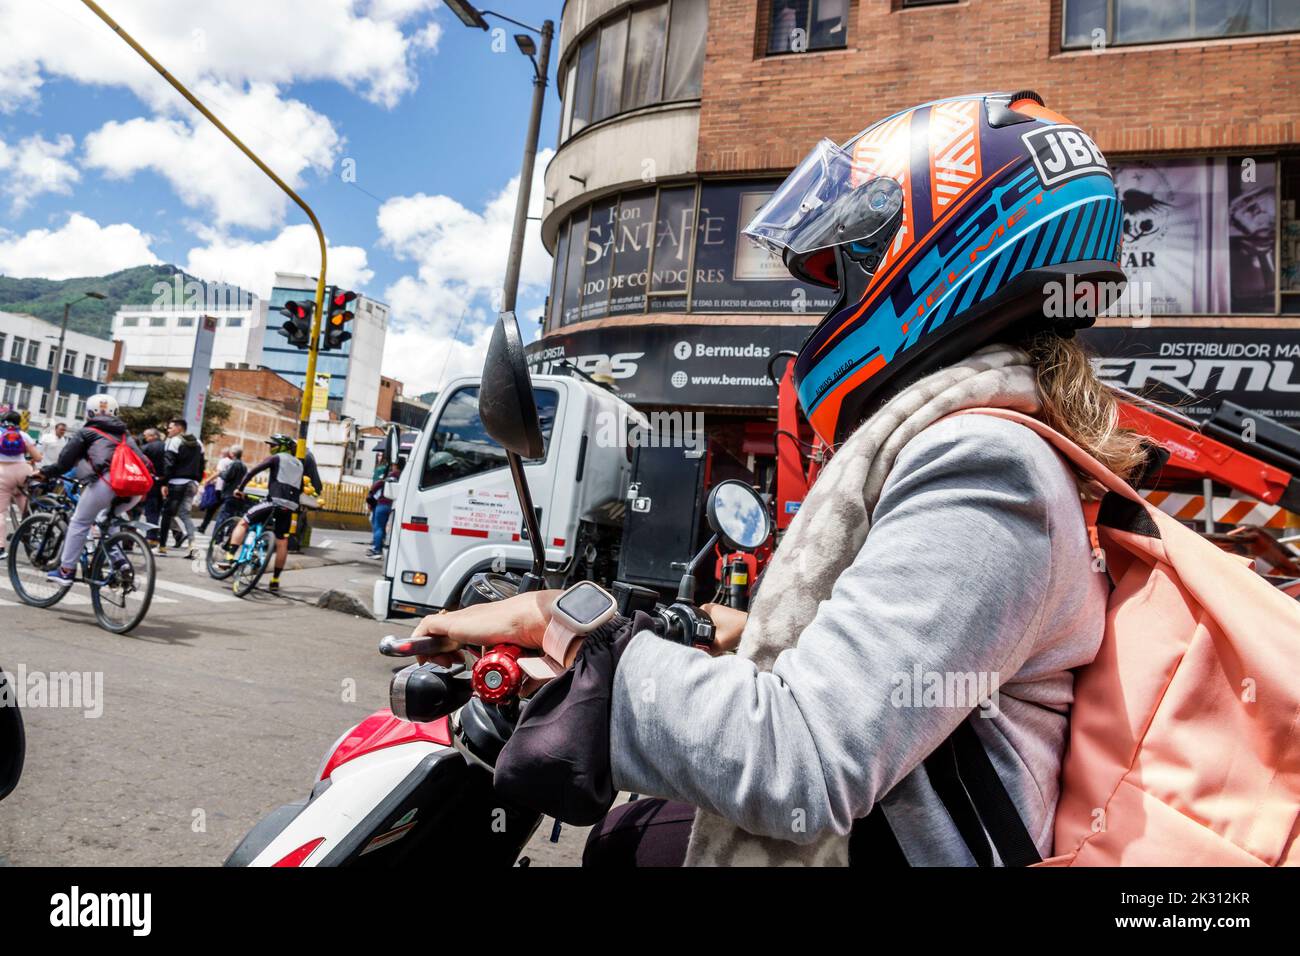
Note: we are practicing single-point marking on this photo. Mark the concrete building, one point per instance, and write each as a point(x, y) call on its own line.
point(27, 350)
point(680, 117)
point(353, 371)
point(162, 340)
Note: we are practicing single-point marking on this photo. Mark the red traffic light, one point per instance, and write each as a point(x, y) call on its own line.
point(342, 298)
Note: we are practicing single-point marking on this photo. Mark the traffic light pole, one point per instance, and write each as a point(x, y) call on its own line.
point(304, 414)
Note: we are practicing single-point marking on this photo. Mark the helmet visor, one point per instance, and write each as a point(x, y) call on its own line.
point(827, 201)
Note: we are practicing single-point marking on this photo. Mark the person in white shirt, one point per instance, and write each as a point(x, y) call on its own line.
point(52, 441)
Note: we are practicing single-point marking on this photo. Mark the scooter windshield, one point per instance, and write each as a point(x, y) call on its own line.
point(825, 202)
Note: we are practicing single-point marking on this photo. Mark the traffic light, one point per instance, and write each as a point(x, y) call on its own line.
point(298, 327)
point(337, 316)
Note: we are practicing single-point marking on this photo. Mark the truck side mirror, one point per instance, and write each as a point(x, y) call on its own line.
point(738, 515)
point(506, 404)
point(392, 444)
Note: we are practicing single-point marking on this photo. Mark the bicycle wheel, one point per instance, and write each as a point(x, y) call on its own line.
point(121, 580)
point(34, 552)
point(248, 573)
point(218, 568)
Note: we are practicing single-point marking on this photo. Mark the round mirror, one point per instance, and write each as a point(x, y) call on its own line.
point(738, 515)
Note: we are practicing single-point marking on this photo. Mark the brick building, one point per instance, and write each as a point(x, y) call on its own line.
point(261, 403)
point(680, 116)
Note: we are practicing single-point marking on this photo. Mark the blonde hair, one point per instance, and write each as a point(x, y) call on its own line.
point(1079, 406)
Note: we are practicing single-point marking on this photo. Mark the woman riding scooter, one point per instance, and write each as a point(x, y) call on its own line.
point(967, 239)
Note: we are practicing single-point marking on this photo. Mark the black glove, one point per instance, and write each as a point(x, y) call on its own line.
point(557, 761)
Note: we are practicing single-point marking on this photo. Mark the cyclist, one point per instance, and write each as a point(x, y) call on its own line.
point(90, 451)
point(16, 446)
point(285, 474)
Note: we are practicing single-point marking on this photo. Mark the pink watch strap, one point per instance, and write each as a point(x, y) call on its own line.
point(557, 641)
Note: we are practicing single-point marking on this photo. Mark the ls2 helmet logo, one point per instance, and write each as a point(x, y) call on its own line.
point(1061, 153)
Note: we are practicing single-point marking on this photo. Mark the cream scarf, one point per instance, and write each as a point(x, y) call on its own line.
point(823, 540)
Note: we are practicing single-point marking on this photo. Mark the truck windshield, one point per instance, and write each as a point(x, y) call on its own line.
point(460, 448)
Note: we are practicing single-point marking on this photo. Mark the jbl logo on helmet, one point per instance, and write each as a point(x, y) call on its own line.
point(1061, 153)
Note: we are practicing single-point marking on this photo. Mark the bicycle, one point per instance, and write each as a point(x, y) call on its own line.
point(253, 557)
point(115, 563)
point(218, 567)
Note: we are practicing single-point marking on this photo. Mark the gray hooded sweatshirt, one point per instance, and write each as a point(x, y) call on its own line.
point(978, 562)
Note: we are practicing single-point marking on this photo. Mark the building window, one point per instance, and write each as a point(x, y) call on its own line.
point(103, 370)
point(157, 321)
point(638, 57)
point(184, 321)
point(81, 408)
point(45, 401)
point(673, 249)
point(33, 352)
point(25, 397)
point(3, 339)
point(70, 362)
point(61, 406)
point(797, 26)
point(11, 393)
point(234, 321)
point(88, 367)
point(130, 321)
point(1096, 23)
point(19, 346)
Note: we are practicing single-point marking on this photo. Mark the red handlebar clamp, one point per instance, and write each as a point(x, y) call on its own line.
point(496, 675)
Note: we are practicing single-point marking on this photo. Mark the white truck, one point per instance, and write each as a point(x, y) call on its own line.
point(455, 512)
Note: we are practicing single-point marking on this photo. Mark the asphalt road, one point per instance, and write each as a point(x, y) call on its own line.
point(212, 712)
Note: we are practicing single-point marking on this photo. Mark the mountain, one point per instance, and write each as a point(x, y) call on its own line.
point(45, 297)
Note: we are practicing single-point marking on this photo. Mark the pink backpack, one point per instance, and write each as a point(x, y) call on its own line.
point(1184, 745)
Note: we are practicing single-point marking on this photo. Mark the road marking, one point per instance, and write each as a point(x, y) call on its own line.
point(200, 593)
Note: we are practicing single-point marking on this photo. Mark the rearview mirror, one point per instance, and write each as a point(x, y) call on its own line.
point(739, 516)
point(505, 403)
point(392, 444)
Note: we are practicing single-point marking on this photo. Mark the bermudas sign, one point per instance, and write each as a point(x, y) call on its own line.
point(722, 365)
point(1196, 369)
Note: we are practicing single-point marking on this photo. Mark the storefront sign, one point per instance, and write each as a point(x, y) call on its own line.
point(1195, 370)
point(719, 365)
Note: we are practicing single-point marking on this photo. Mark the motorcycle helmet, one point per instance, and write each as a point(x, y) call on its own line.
point(101, 404)
point(942, 228)
point(281, 443)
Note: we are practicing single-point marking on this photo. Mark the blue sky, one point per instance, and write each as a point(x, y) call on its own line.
point(102, 166)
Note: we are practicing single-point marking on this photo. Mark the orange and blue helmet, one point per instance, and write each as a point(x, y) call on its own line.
point(943, 228)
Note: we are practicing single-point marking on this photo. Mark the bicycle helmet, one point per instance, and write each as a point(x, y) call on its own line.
point(281, 443)
point(943, 228)
point(12, 418)
point(101, 404)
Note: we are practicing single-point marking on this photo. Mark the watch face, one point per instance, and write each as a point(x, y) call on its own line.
point(584, 603)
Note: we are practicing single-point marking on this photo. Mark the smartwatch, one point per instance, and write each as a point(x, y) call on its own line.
point(576, 613)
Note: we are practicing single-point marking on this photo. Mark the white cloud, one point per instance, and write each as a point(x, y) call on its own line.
point(367, 47)
point(81, 247)
point(206, 170)
point(460, 257)
point(252, 265)
point(35, 166)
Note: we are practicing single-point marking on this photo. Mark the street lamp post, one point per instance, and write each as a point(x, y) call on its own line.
point(474, 18)
point(58, 351)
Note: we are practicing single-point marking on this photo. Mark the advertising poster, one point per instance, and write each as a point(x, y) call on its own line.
point(1199, 233)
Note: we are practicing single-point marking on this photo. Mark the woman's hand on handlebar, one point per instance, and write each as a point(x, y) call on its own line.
point(728, 623)
point(520, 620)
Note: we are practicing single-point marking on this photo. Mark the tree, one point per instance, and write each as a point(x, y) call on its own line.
point(165, 401)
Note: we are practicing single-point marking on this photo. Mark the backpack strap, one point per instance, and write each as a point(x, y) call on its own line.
point(115, 441)
point(996, 809)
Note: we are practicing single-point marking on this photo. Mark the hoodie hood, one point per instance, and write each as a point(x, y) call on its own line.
point(188, 439)
point(109, 424)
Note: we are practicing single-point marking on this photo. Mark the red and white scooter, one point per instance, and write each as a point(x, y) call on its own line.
point(417, 778)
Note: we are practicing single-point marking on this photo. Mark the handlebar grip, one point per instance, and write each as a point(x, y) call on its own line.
point(394, 646)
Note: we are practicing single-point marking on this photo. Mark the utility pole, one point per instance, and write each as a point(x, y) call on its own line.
point(58, 354)
point(511, 288)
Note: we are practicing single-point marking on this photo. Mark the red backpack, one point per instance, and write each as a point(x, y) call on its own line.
point(128, 473)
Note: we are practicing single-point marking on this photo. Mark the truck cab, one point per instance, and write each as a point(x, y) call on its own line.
point(454, 508)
